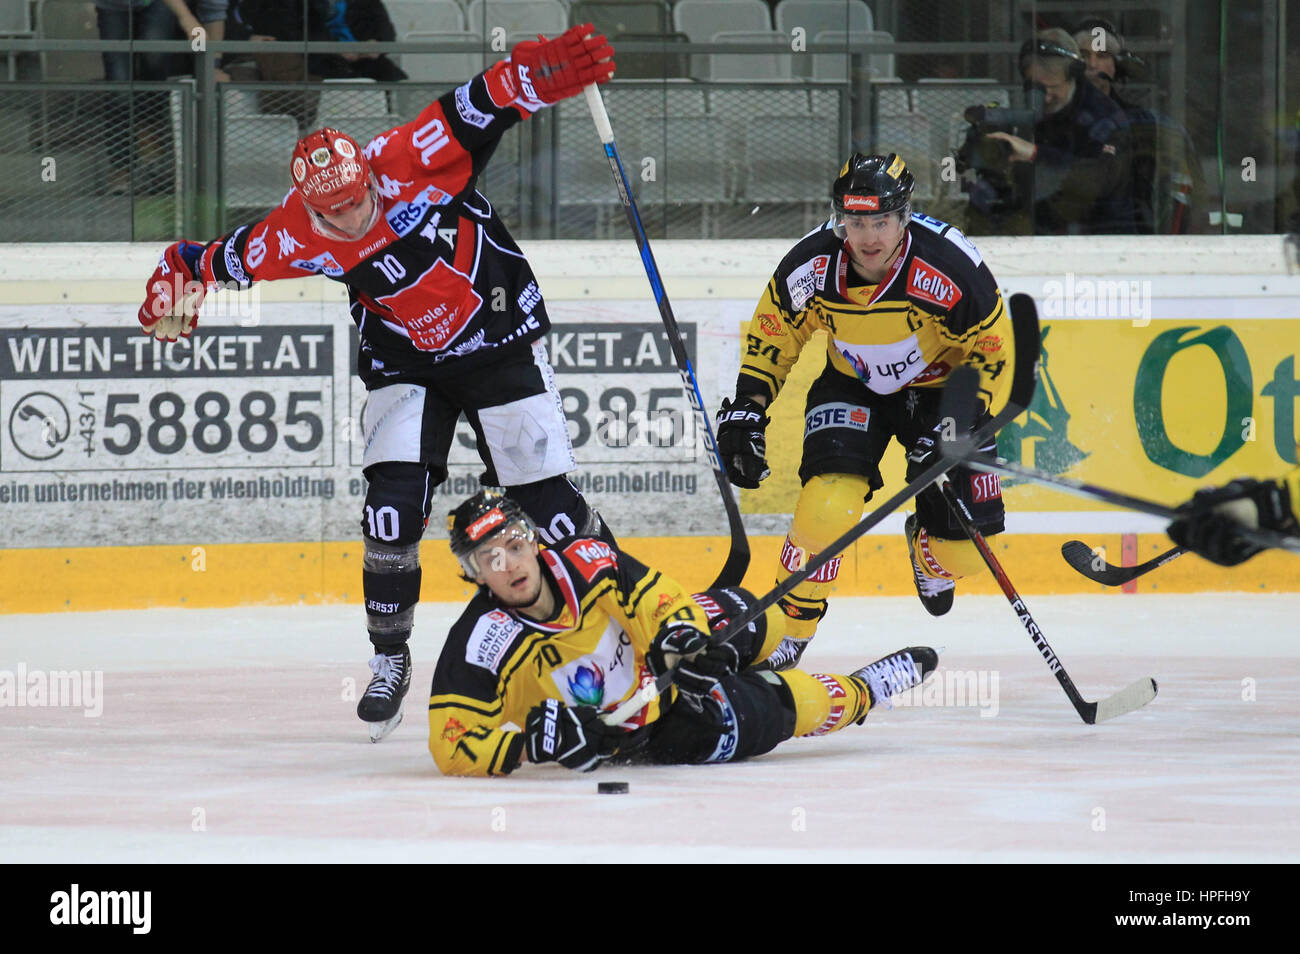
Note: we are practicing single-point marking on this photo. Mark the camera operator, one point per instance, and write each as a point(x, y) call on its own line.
point(1072, 175)
point(1169, 188)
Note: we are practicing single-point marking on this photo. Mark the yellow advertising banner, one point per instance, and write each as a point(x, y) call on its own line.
point(1156, 408)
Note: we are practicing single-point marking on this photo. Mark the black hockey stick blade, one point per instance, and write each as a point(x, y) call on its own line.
point(1084, 559)
point(1024, 381)
point(737, 562)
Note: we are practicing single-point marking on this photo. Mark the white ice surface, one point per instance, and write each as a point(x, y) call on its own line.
point(237, 717)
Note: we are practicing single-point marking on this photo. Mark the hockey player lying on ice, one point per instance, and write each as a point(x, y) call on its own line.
point(556, 636)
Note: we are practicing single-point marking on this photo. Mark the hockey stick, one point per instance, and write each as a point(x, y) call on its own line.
point(1084, 559)
point(1126, 700)
point(733, 571)
point(1269, 539)
point(1024, 325)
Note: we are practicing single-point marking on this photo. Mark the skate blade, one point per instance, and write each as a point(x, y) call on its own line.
point(381, 730)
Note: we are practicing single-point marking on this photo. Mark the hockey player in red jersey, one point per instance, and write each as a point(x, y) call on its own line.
point(449, 313)
point(903, 299)
point(556, 637)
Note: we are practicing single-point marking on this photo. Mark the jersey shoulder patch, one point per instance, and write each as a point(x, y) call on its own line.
point(490, 639)
point(951, 233)
point(591, 558)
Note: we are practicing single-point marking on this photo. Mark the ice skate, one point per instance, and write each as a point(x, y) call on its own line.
point(897, 673)
point(786, 655)
point(936, 594)
point(381, 706)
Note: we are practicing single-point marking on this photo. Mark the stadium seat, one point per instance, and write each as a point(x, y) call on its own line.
point(776, 66)
point(700, 19)
point(817, 16)
point(255, 160)
point(425, 16)
point(352, 97)
point(547, 17)
point(614, 18)
point(835, 68)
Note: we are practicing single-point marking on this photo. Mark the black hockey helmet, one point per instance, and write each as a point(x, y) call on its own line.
point(871, 185)
point(488, 514)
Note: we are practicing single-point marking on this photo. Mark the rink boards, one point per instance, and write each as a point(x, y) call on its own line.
point(225, 469)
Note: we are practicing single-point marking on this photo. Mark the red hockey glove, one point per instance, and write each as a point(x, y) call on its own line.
point(173, 294)
point(548, 71)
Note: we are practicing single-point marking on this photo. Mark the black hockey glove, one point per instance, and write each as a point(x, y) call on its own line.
point(927, 447)
point(573, 736)
point(697, 676)
point(674, 643)
point(740, 424)
point(1213, 518)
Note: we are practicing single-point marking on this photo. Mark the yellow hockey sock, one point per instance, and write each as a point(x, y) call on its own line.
point(945, 559)
point(828, 505)
point(824, 702)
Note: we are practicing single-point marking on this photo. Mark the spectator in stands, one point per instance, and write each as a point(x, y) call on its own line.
point(322, 20)
point(1075, 176)
point(135, 20)
point(1169, 188)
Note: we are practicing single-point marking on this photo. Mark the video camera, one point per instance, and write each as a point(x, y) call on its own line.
point(993, 188)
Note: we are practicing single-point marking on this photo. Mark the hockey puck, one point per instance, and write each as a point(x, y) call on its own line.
point(611, 788)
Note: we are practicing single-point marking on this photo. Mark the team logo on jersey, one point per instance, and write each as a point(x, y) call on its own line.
point(607, 672)
point(490, 639)
point(590, 557)
point(985, 487)
point(770, 325)
point(587, 685)
point(806, 280)
point(324, 263)
point(927, 283)
point(988, 343)
point(453, 730)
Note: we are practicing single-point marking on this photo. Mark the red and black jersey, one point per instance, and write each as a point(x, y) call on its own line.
point(438, 277)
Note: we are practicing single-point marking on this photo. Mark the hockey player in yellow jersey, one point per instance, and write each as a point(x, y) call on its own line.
point(904, 299)
point(553, 638)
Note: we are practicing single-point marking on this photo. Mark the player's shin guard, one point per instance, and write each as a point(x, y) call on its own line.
point(829, 504)
point(825, 702)
point(390, 579)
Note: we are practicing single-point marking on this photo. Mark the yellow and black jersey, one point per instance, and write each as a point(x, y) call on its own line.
point(498, 664)
point(938, 307)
